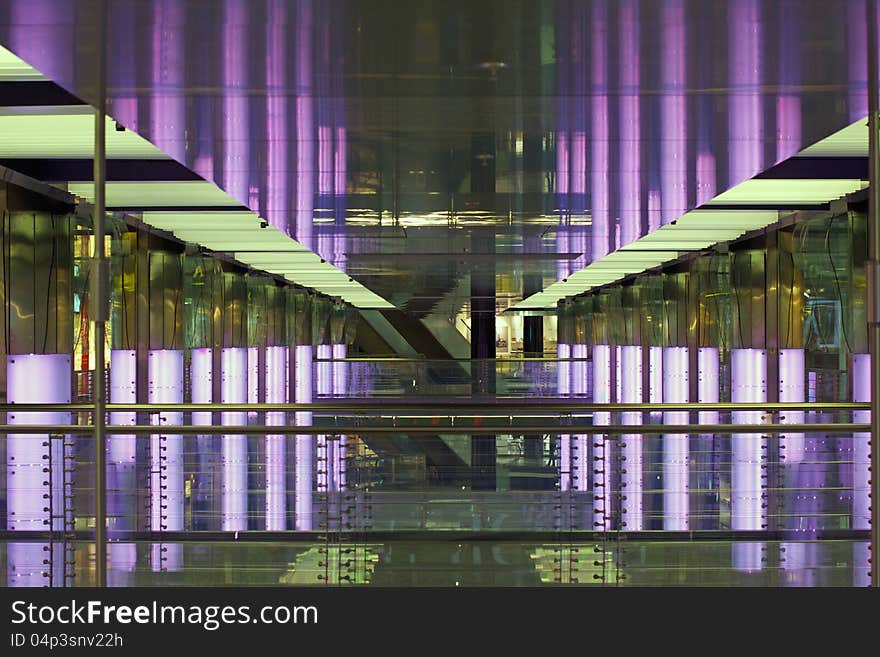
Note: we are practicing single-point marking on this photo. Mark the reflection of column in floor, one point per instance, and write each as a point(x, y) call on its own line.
point(563, 388)
point(340, 381)
point(861, 449)
point(705, 513)
point(324, 387)
point(748, 384)
point(652, 449)
point(805, 483)
point(631, 484)
point(201, 386)
point(675, 446)
point(598, 464)
point(580, 465)
point(165, 386)
point(277, 369)
point(121, 482)
point(792, 389)
point(35, 468)
point(861, 459)
point(305, 453)
point(803, 475)
point(234, 458)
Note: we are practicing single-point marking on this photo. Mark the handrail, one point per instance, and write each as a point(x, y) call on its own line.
point(433, 430)
point(389, 406)
point(568, 536)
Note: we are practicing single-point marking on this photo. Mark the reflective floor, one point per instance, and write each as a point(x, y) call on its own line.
point(472, 563)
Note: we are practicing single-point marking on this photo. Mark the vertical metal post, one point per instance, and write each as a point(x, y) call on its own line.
point(100, 301)
point(873, 285)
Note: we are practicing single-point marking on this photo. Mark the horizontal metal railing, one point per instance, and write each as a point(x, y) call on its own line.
point(569, 418)
point(387, 406)
point(453, 535)
point(332, 430)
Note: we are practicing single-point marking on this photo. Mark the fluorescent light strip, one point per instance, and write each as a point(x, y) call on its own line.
point(13, 68)
point(65, 132)
point(146, 194)
point(703, 228)
point(769, 191)
point(266, 248)
point(54, 132)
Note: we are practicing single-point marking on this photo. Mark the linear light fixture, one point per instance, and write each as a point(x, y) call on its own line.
point(65, 132)
point(13, 68)
point(709, 225)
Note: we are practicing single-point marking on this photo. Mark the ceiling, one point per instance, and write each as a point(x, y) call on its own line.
point(408, 143)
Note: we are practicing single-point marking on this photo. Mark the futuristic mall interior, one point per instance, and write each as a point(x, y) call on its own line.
point(461, 293)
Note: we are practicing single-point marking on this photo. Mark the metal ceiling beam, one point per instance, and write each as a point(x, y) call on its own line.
point(21, 93)
point(118, 170)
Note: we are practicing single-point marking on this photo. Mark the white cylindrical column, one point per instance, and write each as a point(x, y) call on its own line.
point(35, 469)
point(580, 468)
point(563, 389)
point(861, 519)
point(599, 467)
point(792, 388)
point(675, 446)
point(340, 389)
point(324, 385)
point(277, 369)
point(305, 455)
point(748, 384)
point(631, 484)
point(165, 386)
point(121, 448)
point(233, 390)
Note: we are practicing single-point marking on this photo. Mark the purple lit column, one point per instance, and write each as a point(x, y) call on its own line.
point(305, 124)
point(599, 146)
point(324, 385)
point(861, 518)
point(201, 385)
point(856, 49)
point(121, 448)
point(305, 455)
point(631, 449)
point(563, 388)
point(861, 477)
point(708, 392)
point(233, 390)
point(792, 389)
point(236, 116)
point(788, 100)
point(167, 101)
point(340, 389)
point(748, 384)
point(32, 462)
point(655, 381)
point(277, 369)
point(673, 145)
point(746, 113)
point(165, 386)
point(675, 446)
point(601, 452)
point(580, 470)
point(277, 174)
point(121, 498)
point(630, 130)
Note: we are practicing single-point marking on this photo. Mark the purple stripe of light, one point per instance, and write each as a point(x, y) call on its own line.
point(675, 446)
point(233, 390)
